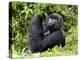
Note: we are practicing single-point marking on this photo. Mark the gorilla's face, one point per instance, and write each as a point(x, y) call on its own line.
point(54, 22)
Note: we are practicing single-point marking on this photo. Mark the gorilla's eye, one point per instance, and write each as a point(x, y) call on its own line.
point(52, 20)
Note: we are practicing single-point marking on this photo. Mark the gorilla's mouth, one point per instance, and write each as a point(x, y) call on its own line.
point(51, 28)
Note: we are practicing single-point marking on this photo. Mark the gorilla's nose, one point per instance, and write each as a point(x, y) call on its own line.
point(50, 24)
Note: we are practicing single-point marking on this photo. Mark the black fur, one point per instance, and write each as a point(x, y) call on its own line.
point(38, 41)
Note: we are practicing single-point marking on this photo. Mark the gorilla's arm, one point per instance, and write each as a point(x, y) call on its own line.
point(36, 33)
point(55, 38)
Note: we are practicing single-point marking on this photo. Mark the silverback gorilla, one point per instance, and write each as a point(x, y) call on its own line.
point(41, 38)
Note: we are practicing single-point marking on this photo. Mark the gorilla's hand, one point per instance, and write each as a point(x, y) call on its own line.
point(37, 19)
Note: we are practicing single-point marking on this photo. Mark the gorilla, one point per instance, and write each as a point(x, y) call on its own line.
point(43, 37)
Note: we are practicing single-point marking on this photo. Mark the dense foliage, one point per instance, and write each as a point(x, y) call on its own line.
point(20, 15)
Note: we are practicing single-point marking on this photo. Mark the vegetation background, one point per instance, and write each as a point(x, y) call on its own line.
point(20, 15)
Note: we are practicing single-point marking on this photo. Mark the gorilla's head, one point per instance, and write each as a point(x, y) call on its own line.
point(54, 22)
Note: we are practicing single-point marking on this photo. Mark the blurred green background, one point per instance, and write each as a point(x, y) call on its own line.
point(20, 15)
